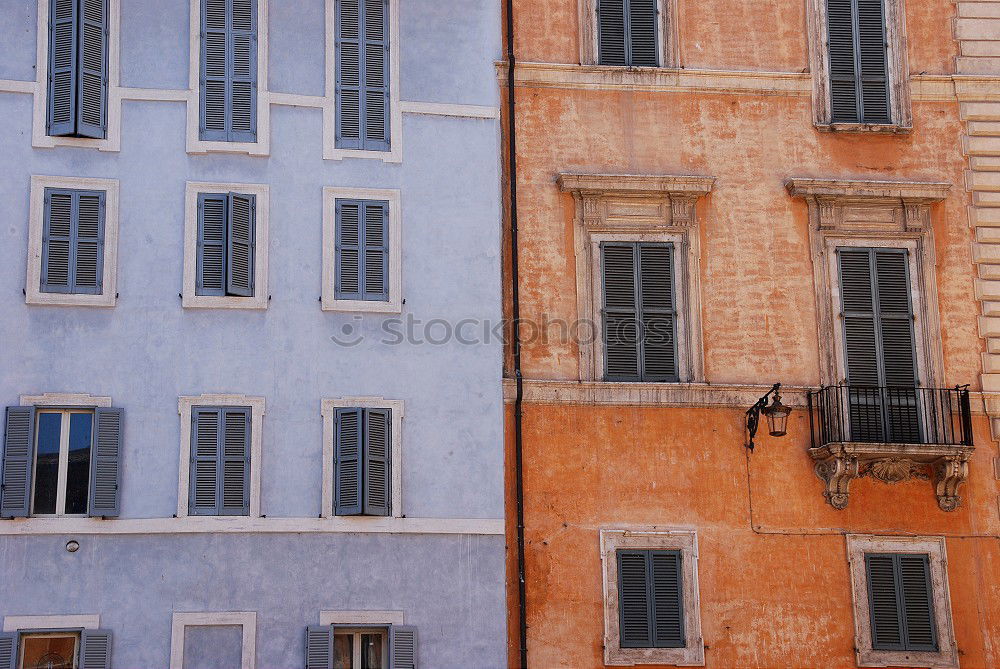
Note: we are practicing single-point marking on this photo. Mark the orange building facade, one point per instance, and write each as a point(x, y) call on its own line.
point(723, 196)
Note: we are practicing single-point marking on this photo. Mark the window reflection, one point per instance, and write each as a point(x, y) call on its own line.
point(47, 461)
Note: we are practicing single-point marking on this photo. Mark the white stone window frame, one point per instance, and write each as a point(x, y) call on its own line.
point(36, 230)
point(185, 405)
point(328, 410)
point(262, 147)
point(330, 150)
point(934, 547)
point(260, 297)
point(329, 301)
point(668, 41)
point(681, 539)
point(53, 622)
point(112, 139)
point(638, 208)
point(247, 620)
point(900, 107)
point(904, 207)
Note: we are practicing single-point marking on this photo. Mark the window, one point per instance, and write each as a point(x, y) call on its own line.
point(348, 647)
point(61, 462)
point(228, 108)
point(220, 461)
point(77, 68)
point(56, 649)
point(639, 312)
point(650, 596)
point(362, 74)
point(362, 461)
point(899, 596)
point(627, 32)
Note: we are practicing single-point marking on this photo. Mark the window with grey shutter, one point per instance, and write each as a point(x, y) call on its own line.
point(362, 74)
point(639, 312)
point(651, 604)
point(229, 70)
point(73, 242)
point(879, 344)
point(78, 68)
point(105, 466)
point(402, 647)
point(227, 233)
point(901, 602)
point(220, 461)
point(18, 461)
point(627, 32)
point(95, 649)
point(362, 253)
point(362, 461)
point(859, 74)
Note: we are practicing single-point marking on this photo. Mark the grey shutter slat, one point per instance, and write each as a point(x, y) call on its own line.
point(95, 649)
point(873, 62)
point(376, 73)
point(8, 650)
point(376, 251)
point(92, 83)
point(667, 596)
point(63, 70)
point(235, 462)
point(349, 46)
point(634, 607)
point(348, 270)
point(611, 29)
point(859, 75)
point(897, 346)
point(918, 602)
point(402, 647)
point(57, 241)
point(657, 312)
point(347, 466)
point(642, 38)
point(621, 329)
point(105, 466)
point(319, 647)
point(883, 603)
point(18, 453)
point(214, 106)
point(377, 441)
point(240, 239)
point(88, 242)
point(844, 99)
point(205, 476)
point(211, 263)
point(243, 71)
point(861, 344)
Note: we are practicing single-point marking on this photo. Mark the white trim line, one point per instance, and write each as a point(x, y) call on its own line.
point(447, 109)
point(155, 94)
point(16, 623)
point(246, 619)
point(360, 618)
point(18, 86)
point(184, 406)
point(70, 400)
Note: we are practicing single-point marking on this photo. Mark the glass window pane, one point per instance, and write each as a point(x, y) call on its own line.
point(371, 651)
point(47, 462)
point(343, 651)
point(49, 651)
point(78, 469)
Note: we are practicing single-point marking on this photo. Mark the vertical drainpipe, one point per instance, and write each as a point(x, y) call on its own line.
point(522, 613)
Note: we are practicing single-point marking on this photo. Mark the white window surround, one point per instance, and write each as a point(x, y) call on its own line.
point(195, 144)
point(328, 409)
point(245, 619)
point(260, 291)
point(668, 44)
point(934, 548)
point(330, 150)
point(361, 618)
point(27, 623)
point(612, 207)
point(36, 226)
point(681, 539)
point(329, 301)
point(184, 408)
point(899, 70)
point(68, 400)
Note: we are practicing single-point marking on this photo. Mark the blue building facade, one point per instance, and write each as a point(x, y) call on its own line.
point(249, 271)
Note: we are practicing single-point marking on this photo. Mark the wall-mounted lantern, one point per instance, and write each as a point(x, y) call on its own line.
point(776, 414)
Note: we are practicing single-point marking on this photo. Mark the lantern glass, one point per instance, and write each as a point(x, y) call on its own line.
point(777, 417)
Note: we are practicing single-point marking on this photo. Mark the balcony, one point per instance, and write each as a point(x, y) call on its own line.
point(891, 434)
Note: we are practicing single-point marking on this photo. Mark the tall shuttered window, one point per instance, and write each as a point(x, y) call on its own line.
point(627, 32)
point(226, 244)
point(229, 70)
point(78, 68)
point(362, 452)
point(362, 73)
point(651, 605)
point(639, 312)
point(73, 242)
point(858, 50)
point(362, 258)
point(220, 461)
point(901, 601)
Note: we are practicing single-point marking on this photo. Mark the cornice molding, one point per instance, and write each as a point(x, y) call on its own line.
point(636, 184)
point(910, 192)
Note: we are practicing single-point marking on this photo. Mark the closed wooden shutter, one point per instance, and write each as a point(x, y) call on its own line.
point(220, 461)
point(859, 75)
point(92, 88)
point(73, 242)
point(627, 32)
point(319, 647)
point(212, 224)
point(901, 602)
point(362, 452)
point(78, 68)
point(362, 250)
point(18, 457)
point(105, 466)
point(402, 647)
point(650, 592)
point(228, 107)
point(235, 465)
point(240, 242)
point(377, 427)
point(347, 466)
point(95, 649)
point(362, 74)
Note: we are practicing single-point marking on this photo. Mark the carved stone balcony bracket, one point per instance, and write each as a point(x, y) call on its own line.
point(837, 464)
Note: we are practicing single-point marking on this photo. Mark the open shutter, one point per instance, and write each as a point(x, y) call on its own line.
point(642, 41)
point(658, 312)
point(240, 234)
point(378, 426)
point(92, 85)
point(18, 453)
point(348, 279)
point(105, 467)
point(376, 245)
point(873, 62)
point(621, 328)
point(8, 650)
point(918, 602)
point(844, 99)
point(883, 603)
point(376, 74)
point(205, 437)
point(63, 52)
point(611, 26)
point(402, 647)
point(243, 71)
point(95, 649)
point(667, 595)
point(57, 241)
point(634, 607)
point(348, 74)
point(88, 242)
point(319, 647)
point(215, 103)
point(235, 464)
point(211, 273)
point(347, 466)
